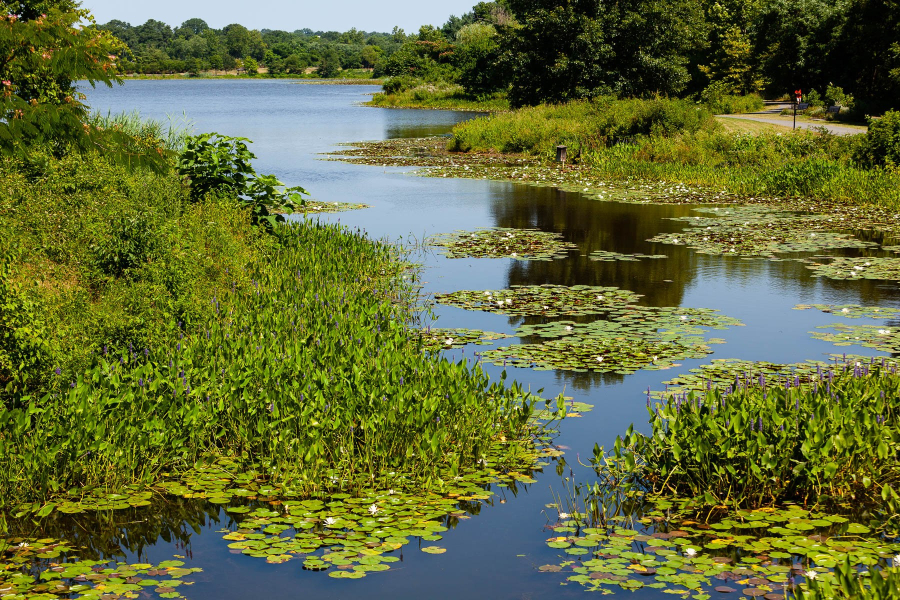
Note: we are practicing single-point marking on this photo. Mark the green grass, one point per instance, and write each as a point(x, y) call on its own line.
point(677, 141)
point(445, 96)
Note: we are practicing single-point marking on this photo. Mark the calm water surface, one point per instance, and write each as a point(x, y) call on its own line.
point(494, 554)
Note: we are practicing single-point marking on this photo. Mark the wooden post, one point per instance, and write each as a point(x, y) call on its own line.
point(561, 154)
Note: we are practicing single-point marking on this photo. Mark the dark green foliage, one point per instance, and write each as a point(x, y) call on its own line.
point(762, 442)
point(94, 254)
point(218, 164)
point(583, 49)
point(881, 144)
point(329, 64)
point(44, 55)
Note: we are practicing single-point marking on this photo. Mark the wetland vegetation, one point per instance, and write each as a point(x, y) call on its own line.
point(177, 350)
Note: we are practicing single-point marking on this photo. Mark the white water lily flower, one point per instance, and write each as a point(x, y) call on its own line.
point(858, 268)
point(568, 328)
point(509, 300)
point(896, 561)
point(884, 331)
point(329, 521)
point(546, 308)
point(683, 318)
point(373, 509)
point(599, 359)
point(499, 302)
point(391, 492)
point(487, 293)
point(599, 297)
point(845, 310)
point(563, 515)
point(811, 574)
point(513, 254)
point(22, 545)
point(654, 358)
point(690, 552)
point(449, 341)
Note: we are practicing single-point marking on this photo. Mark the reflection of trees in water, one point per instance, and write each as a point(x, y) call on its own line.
point(102, 535)
point(587, 381)
point(594, 226)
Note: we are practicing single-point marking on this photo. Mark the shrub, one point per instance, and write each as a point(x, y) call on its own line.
point(718, 100)
point(881, 145)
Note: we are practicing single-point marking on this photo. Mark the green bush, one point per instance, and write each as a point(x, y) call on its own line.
point(96, 254)
point(219, 164)
point(881, 145)
point(720, 101)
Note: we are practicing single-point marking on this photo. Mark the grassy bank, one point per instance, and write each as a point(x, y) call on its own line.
point(443, 96)
point(141, 332)
point(675, 141)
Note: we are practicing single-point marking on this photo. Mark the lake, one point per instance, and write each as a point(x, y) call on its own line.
point(495, 553)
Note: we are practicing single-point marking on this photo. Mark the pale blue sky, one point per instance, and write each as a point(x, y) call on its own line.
point(325, 15)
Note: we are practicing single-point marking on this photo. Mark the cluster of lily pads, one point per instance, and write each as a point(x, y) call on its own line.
point(852, 311)
point(445, 339)
point(607, 256)
point(761, 553)
point(542, 300)
point(498, 242)
point(842, 267)
point(48, 569)
point(627, 337)
point(754, 231)
point(318, 207)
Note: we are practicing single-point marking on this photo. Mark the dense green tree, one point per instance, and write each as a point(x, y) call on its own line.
point(192, 27)
point(568, 49)
point(237, 40)
point(795, 40)
point(329, 64)
point(866, 55)
point(478, 59)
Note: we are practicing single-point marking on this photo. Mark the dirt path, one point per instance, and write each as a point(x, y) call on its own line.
point(772, 115)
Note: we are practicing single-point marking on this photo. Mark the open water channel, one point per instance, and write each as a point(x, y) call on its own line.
point(494, 554)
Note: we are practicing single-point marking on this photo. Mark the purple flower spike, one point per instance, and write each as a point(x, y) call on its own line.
point(58, 371)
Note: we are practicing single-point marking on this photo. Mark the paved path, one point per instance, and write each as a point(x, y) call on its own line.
point(772, 114)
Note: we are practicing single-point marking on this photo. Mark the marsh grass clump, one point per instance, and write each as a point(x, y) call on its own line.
point(765, 441)
point(582, 126)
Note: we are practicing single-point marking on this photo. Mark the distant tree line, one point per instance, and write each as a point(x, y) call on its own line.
point(556, 50)
point(194, 46)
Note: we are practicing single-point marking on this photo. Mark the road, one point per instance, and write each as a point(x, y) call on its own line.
point(772, 114)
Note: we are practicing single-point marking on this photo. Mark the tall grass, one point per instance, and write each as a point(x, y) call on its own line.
point(677, 141)
point(581, 126)
point(172, 134)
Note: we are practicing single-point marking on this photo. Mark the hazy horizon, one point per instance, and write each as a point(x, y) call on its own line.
point(337, 15)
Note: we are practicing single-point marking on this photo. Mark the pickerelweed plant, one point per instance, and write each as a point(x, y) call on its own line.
point(760, 442)
point(315, 371)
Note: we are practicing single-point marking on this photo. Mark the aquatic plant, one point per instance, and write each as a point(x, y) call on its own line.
point(311, 371)
point(610, 541)
point(764, 441)
point(497, 242)
point(542, 300)
point(842, 267)
point(439, 338)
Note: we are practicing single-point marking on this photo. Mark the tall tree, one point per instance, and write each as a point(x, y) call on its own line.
point(568, 49)
point(42, 56)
